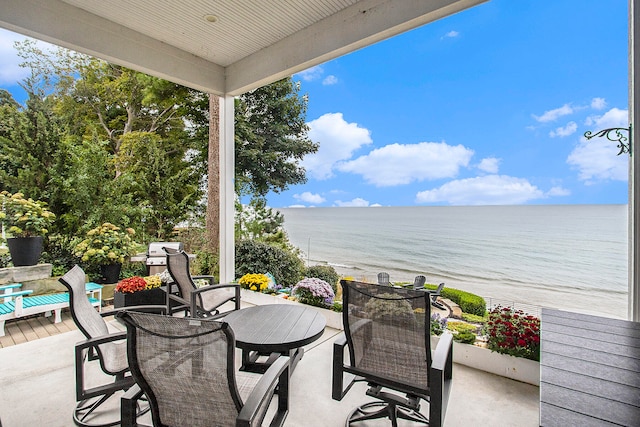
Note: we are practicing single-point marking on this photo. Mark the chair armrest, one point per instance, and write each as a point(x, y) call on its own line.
point(219, 286)
point(162, 309)
point(256, 405)
point(93, 342)
point(337, 373)
point(440, 379)
point(128, 406)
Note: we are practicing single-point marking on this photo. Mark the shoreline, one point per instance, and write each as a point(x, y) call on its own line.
point(595, 302)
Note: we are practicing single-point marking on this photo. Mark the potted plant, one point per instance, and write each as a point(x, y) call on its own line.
point(107, 246)
point(28, 220)
point(138, 290)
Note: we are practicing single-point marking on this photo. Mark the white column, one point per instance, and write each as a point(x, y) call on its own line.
point(227, 172)
point(634, 162)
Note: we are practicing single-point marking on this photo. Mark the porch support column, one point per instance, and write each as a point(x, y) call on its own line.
point(227, 195)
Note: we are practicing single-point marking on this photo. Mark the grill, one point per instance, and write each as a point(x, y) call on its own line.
point(157, 258)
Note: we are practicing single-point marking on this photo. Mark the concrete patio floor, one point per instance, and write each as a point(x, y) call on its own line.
point(38, 388)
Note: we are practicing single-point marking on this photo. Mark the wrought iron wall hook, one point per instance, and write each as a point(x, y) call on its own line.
point(615, 135)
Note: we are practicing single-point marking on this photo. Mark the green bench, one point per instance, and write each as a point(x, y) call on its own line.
point(15, 304)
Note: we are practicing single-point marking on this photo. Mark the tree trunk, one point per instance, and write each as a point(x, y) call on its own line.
point(213, 181)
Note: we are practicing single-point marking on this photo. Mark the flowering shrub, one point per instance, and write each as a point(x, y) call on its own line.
point(106, 244)
point(254, 282)
point(137, 283)
point(513, 332)
point(314, 291)
point(25, 217)
point(438, 324)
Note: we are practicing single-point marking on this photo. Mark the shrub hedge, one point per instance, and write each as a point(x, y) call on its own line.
point(326, 273)
point(468, 302)
point(257, 257)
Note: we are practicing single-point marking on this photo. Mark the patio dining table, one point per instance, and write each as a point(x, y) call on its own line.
point(266, 331)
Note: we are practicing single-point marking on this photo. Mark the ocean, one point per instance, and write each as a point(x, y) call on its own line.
point(571, 257)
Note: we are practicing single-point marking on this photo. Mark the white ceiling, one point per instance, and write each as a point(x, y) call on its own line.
point(252, 42)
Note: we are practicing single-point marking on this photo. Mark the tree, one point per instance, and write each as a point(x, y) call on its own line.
point(271, 138)
point(145, 178)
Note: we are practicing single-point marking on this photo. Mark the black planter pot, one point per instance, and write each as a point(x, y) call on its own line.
point(110, 273)
point(25, 250)
point(155, 296)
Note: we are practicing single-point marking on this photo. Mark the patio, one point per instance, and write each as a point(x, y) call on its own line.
point(38, 384)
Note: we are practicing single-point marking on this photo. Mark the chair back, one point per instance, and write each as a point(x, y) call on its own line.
point(387, 331)
point(419, 281)
point(435, 294)
point(383, 279)
point(178, 266)
point(85, 316)
point(90, 323)
point(185, 367)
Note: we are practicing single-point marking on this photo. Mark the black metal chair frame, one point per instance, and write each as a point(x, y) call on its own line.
point(393, 405)
point(89, 399)
point(275, 381)
point(194, 305)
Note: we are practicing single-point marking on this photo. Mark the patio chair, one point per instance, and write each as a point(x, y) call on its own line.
point(187, 369)
point(109, 349)
point(386, 331)
point(419, 281)
point(206, 301)
point(383, 279)
point(434, 297)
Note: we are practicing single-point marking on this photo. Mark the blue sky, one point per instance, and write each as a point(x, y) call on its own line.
point(488, 106)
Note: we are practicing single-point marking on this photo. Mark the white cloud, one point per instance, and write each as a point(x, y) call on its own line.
point(614, 118)
point(338, 141)
point(567, 130)
point(552, 115)
point(452, 34)
point(483, 190)
point(489, 164)
point(558, 191)
point(297, 206)
point(330, 80)
point(598, 103)
point(597, 160)
point(10, 70)
point(309, 197)
point(357, 202)
point(311, 74)
point(398, 164)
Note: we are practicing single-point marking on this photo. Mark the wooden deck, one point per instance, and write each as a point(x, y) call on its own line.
point(30, 328)
point(590, 370)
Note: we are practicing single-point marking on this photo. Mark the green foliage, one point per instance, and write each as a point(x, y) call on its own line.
point(474, 318)
point(25, 217)
point(465, 337)
point(4, 259)
point(256, 221)
point(337, 306)
point(326, 273)
point(271, 138)
point(390, 306)
point(58, 251)
point(461, 327)
point(256, 257)
point(468, 302)
point(106, 244)
point(513, 332)
point(206, 263)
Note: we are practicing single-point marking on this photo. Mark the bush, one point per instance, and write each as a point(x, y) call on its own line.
point(468, 302)
point(256, 257)
point(326, 273)
point(513, 332)
point(58, 251)
point(465, 337)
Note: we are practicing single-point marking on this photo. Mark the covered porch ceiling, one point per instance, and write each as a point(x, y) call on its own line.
point(224, 47)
